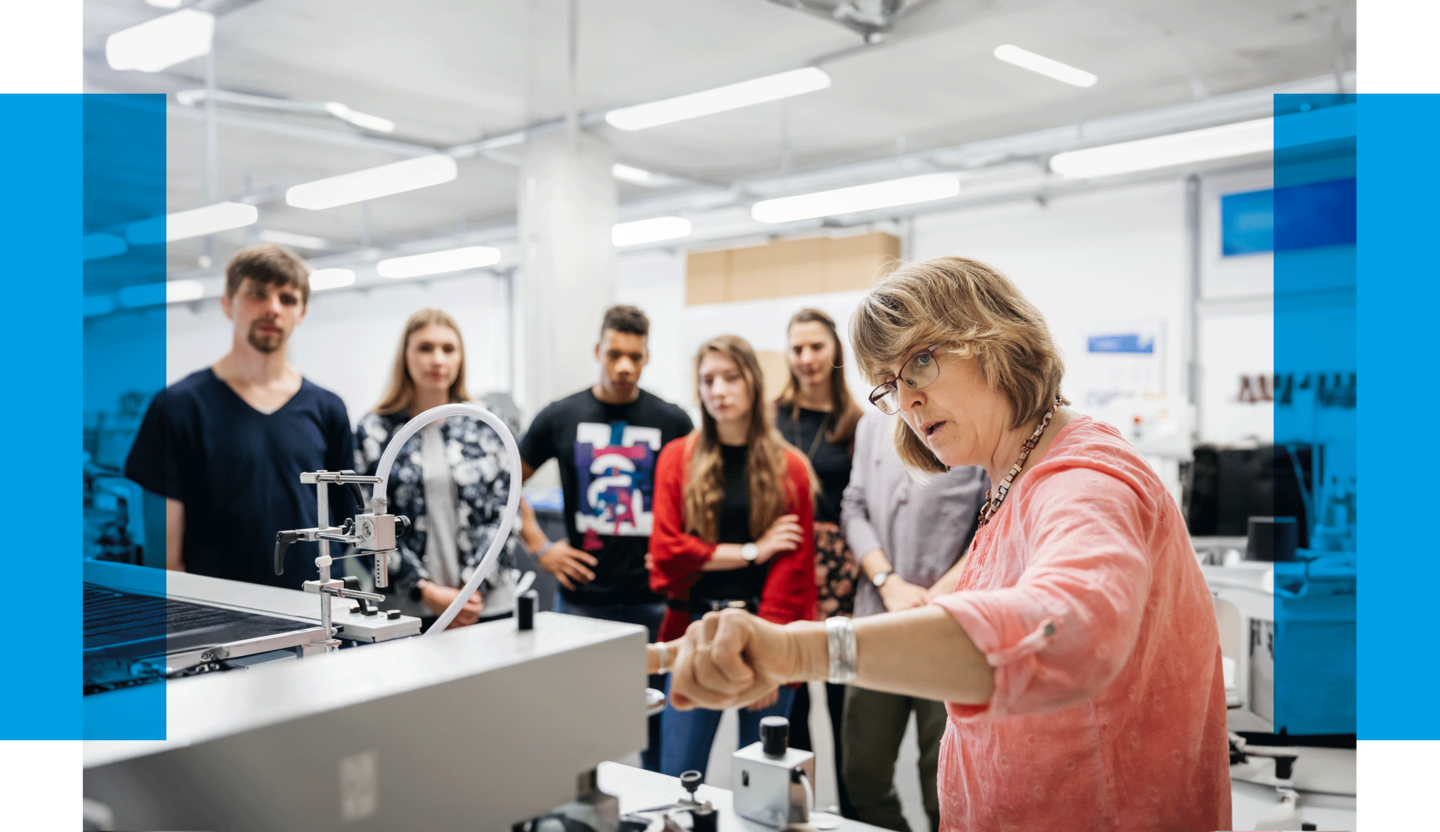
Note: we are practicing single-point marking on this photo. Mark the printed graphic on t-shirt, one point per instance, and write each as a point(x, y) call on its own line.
point(616, 468)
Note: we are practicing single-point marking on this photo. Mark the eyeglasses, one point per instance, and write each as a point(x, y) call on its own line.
point(918, 373)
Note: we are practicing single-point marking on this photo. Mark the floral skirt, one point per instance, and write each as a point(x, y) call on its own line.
point(836, 571)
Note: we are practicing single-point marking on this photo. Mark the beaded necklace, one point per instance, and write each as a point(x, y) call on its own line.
point(992, 505)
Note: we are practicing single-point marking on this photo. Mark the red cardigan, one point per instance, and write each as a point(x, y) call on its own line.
point(790, 592)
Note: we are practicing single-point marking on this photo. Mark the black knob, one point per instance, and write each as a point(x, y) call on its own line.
point(393, 615)
point(691, 780)
point(1284, 767)
point(704, 819)
point(1308, 825)
point(774, 735)
point(402, 526)
point(525, 609)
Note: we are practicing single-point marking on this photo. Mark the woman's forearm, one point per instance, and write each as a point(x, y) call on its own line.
point(726, 557)
point(920, 652)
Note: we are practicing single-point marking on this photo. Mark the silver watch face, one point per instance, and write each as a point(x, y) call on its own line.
point(750, 552)
point(880, 579)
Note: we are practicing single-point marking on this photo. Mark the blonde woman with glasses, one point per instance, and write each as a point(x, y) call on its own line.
point(1078, 654)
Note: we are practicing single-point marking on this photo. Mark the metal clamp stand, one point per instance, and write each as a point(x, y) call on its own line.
point(370, 533)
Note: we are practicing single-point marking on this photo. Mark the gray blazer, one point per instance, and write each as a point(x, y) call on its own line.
point(922, 529)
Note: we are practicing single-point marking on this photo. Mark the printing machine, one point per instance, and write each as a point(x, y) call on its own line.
point(482, 727)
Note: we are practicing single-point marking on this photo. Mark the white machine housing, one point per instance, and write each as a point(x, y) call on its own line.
point(481, 727)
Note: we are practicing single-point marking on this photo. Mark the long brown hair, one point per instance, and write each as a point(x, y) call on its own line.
point(844, 413)
point(770, 488)
point(401, 393)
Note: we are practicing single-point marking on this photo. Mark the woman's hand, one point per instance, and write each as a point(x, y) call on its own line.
point(731, 658)
point(438, 598)
point(899, 594)
point(784, 535)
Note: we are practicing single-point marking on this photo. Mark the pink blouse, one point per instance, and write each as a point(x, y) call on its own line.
point(1109, 708)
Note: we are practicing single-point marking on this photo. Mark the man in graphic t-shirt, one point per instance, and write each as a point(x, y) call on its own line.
point(605, 440)
point(225, 446)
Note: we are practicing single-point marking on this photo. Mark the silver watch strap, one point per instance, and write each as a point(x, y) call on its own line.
point(840, 632)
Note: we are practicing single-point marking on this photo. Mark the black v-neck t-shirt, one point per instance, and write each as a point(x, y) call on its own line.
point(237, 470)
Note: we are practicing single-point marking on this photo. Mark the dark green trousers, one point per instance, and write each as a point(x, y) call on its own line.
point(874, 725)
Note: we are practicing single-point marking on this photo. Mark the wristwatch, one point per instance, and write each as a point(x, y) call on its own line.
point(881, 577)
point(417, 592)
point(750, 552)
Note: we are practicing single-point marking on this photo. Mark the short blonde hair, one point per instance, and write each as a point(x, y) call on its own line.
point(975, 312)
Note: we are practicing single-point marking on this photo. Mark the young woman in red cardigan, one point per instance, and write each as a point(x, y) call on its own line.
point(733, 527)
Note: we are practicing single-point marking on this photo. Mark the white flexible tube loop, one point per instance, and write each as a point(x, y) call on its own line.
point(512, 505)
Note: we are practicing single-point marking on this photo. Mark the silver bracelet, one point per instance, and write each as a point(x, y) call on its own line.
point(840, 632)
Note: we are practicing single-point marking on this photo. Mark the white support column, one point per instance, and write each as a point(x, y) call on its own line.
point(567, 276)
point(567, 208)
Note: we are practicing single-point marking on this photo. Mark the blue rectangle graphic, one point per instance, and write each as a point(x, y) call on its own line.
point(1291, 218)
point(124, 364)
point(1126, 343)
point(1312, 643)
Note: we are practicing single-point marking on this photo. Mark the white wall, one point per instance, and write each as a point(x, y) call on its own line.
point(1089, 260)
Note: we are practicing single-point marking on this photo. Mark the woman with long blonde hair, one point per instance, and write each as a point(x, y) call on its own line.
point(451, 479)
point(733, 529)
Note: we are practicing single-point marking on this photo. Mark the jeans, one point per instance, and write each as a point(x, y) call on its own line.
point(646, 615)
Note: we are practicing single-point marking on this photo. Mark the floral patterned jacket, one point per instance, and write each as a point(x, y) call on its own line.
point(482, 482)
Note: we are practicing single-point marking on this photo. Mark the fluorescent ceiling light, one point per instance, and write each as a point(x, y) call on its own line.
point(1045, 66)
point(720, 99)
point(1238, 139)
point(439, 262)
point(165, 4)
point(198, 222)
point(100, 246)
point(93, 305)
point(179, 291)
point(149, 294)
point(359, 119)
point(323, 279)
point(285, 238)
point(634, 176)
point(650, 231)
point(373, 183)
point(161, 42)
point(871, 197)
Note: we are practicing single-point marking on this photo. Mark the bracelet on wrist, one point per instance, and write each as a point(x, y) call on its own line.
point(840, 635)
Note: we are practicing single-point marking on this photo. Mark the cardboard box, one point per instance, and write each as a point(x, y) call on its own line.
point(786, 268)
